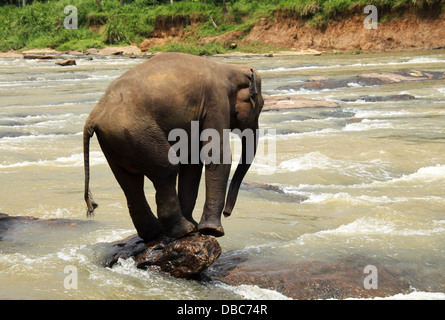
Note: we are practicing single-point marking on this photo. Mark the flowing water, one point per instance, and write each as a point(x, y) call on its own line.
point(372, 186)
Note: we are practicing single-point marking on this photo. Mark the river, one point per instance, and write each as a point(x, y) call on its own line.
point(367, 178)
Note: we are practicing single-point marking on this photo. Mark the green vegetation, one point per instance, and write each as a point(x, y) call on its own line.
point(40, 24)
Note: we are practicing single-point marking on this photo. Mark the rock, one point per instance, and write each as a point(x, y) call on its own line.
point(387, 77)
point(10, 223)
point(182, 258)
point(91, 51)
point(115, 51)
point(42, 51)
point(395, 97)
point(259, 185)
point(39, 56)
point(288, 102)
point(10, 54)
point(76, 53)
point(67, 62)
point(318, 78)
point(272, 192)
point(366, 79)
point(308, 279)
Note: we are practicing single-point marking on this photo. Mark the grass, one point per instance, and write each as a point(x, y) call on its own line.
point(40, 25)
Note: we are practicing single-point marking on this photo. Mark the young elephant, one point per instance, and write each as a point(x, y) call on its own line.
point(132, 122)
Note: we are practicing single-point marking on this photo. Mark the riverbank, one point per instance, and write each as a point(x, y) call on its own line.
point(135, 52)
point(243, 27)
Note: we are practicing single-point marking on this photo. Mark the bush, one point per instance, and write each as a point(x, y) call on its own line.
point(115, 32)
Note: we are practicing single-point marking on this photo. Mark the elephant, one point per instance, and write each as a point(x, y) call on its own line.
point(132, 121)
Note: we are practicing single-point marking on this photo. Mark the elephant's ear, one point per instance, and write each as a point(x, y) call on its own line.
point(253, 89)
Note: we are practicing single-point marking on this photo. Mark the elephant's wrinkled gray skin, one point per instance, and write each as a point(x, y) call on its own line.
point(132, 122)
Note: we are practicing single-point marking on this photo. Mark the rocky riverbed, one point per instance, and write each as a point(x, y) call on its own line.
point(199, 258)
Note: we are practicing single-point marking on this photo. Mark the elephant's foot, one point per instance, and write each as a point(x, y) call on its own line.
point(178, 229)
point(149, 236)
point(211, 227)
point(190, 219)
point(148, 230)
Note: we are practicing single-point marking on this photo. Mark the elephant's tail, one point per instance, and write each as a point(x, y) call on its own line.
point(87, 134)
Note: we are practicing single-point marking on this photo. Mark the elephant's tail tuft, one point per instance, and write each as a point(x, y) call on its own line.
point(87, 134)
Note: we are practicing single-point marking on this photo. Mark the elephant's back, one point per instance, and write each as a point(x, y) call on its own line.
point(185, 66)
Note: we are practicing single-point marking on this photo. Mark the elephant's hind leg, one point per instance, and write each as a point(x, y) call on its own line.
point(173, 223)
point(145, 222)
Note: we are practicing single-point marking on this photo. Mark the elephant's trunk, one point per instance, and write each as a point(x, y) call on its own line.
point(247, 155)
point(87, 134)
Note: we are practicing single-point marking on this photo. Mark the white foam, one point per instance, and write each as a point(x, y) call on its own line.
point(279, 69)
point(414, 295)
point(253, 292)
point(372, 226)
point(424, 174)
point(417, 60)
point(309, 161)
point(371, 169)
point(112, 235)
point(75, 160)
point(359, 113)
point(367, 125)
point(424, 60)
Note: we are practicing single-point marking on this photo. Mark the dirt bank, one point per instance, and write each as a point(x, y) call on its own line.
point(402, 32)
point(406, 32)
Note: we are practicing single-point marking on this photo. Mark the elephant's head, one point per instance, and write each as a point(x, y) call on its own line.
point(246, 106)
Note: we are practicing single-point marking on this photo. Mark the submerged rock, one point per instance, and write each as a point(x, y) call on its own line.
point(289, 102)
point(309, 279)
point(394, 97)
point(10, 223)
point(38, 56)
point(272, 192)
point(185, 257)
point(366, 79)
point(67, 62)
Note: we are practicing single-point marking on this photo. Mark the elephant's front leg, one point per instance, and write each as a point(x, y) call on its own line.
point(188, 187)
point(216, 177)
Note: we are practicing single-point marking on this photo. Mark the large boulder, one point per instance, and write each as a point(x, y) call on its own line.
point(185, 257)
